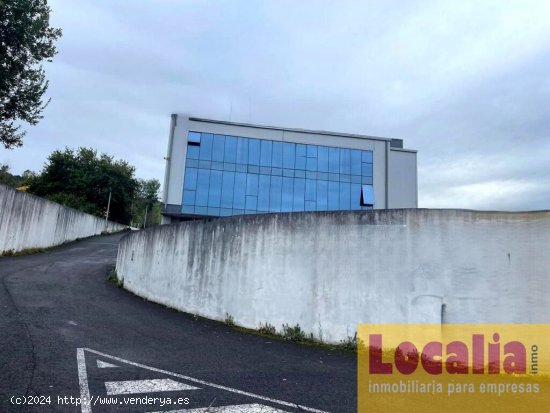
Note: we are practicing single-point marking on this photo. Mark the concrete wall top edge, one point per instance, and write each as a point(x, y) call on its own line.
point(404, 216)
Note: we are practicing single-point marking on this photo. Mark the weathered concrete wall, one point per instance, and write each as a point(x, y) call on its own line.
point(28, 221)
point(330, 271)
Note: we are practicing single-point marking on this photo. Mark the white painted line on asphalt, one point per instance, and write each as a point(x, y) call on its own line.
point(237, 408)
point(145, 386)
point(104, 365)
point(203, 382)
point(83, 380)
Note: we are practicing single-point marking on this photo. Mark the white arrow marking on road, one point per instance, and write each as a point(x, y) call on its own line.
point(145, 386)
point(85, 390)
point(239, 408)
point(104, 365)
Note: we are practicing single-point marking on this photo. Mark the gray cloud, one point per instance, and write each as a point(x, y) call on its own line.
point(464, 83)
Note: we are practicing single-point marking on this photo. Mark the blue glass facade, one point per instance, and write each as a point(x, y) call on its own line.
point(230, 175)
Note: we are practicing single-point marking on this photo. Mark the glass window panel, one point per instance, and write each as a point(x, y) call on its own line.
point(228, 183)
point(215, 191)
point(322, 195)
point(299, 194)
point(311, 190)
point(214, 212)
point(203, 181)
point(333, 196)
point(287, 194)
point(206, 147)
point(334, 177)
point(366, 180)
point(188, 209)
point(355, 179)
point(193, 152)
point(189, 197)
point(251, 203)
point(312, 151)
point(366, 169)
point(253, 169)
point(217, 165)
point(311, 164)
point(252, 184)
point(263, 193)
point(241, 168)
point(322, 175)
point(192, 163)
point(345, 163)
point(224, 212)
point(289, 155)
point(355, 197)
point(311, 175)
point(239, 191)
point(275, 193)
point(276, 171)
point(301, 162)
point(238, 211)
point(228, 166)
point(366, 156)
point(311, 206)
point(265, 170)
point(190, 178)
point(355, 162)
point(345, 194)
point(251, 212)
point(254, 152)
point(201, 210)
point(322, 159)
point(194, 137)
point(299, 174)
point(288, 173)
point(242, 150)
point(277, 160)
point(301, 150)
point(266, 152)
point(205, 164)
point(345, 178)
point(367, 195)
point(230, 151)
point(334, 160)
point(218, 148)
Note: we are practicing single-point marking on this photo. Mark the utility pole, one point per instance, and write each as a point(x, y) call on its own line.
point(145, 217)
point(108, 209)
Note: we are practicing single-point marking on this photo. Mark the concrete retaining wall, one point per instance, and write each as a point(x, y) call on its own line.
point(328, 272)
point(28, 221)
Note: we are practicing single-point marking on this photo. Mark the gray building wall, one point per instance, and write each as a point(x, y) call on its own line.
point(403, 182)
point(382, 157)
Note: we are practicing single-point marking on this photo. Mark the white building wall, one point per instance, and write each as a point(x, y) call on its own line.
point(403, 180)
point(28, 221)
point(329, 271)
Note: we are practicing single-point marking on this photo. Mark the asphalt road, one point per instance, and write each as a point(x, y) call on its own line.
point(66, 331)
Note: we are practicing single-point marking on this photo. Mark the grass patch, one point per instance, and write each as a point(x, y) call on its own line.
point(113, 277)
point(229, 320)
point(27, 251)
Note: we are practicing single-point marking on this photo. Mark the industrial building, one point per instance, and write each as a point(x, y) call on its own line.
point(218, 168)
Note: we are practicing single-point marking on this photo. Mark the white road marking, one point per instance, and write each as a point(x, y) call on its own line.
point(238, 408)
point(145, 386)
point(83, 381)
point(84, 390)
point(104, 365)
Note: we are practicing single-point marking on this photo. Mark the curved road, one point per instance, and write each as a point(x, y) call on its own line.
point(66, 331)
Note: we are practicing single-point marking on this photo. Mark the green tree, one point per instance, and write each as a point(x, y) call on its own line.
point(26, 40)
point(83, 179)
point(7, 178)
point(146, 206)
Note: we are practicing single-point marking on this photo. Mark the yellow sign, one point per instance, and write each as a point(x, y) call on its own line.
point(453, 368)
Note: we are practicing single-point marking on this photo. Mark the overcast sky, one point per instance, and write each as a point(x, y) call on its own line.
point(467, 83)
